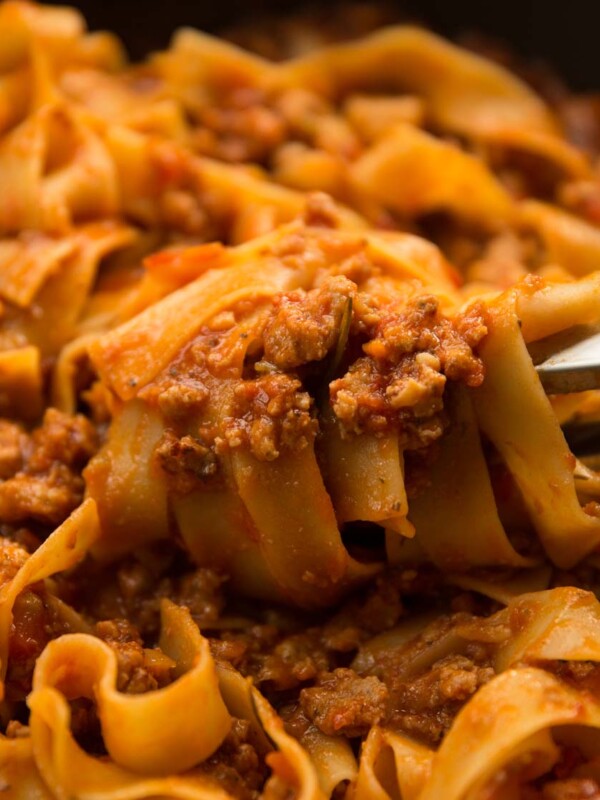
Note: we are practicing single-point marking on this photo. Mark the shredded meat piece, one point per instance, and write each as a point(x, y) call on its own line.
point(271, 414)
point(47, 484)
point(344, 703)
point(400, 382)
point(305, 325)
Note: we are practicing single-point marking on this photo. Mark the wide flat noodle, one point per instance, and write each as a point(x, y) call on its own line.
point(63, 549)
point(152, 733)
point(565, 529)
point(510, 717)
point(210, 155)
point(391, 765)
point(561, 624)
point(475, 96)
point(449, 507)
point(131, 355)
point(434, 175)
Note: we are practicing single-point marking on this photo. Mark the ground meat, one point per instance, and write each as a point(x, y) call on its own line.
point(559, 784)
point(505, 259)
point(373, 399)
point(295, 660)
point(342, 703)
point(179, 399)
point(241, 128)
point(133, 590)
point(583, 675)
point(271, 414)
point(426, 706)
point(321, 211)
point(177, 202)
point(400, 381)
point(282, 661)
point(377, 610)
point(313, 120)
point(237, 766)
point(306, 325)
point(46, 484)
point(572, 789)
point(12, 558)
point(186, 461)
point(201, 592)
point(138, 670)
point(35, 622)
point(13, 440)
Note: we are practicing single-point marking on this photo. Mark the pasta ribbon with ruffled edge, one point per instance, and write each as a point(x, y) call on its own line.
point(449, 506)
point(391, 765)
point(168, 730)
point(510, 718)
point(64, 548)
point(561, 624)
point(510, 397)
point(240, 527)
point(66, 174)
point(434, 176)
point(150, 745)
point(509, 722)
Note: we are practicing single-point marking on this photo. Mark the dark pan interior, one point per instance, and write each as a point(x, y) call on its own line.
point(564, 34)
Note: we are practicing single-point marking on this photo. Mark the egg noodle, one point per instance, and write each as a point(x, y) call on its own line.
point(285, 511)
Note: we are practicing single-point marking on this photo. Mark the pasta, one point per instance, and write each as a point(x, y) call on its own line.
point(285, 511)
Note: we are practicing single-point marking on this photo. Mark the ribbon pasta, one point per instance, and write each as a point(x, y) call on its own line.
point(302, 522)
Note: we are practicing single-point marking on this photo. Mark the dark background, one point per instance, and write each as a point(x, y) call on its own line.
point(565, 34)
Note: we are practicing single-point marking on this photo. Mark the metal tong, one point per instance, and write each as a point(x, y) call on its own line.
point(569, 361)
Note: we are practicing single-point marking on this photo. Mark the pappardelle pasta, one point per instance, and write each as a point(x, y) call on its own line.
point(285, 511)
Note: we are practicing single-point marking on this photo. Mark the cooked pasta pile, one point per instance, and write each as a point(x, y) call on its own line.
point(285, 511)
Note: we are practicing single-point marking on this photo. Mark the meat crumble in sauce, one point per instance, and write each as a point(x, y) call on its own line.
point(41, 471)
point(255, 376)
point(305, 325)
point(317, 669)
point(400, 382)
